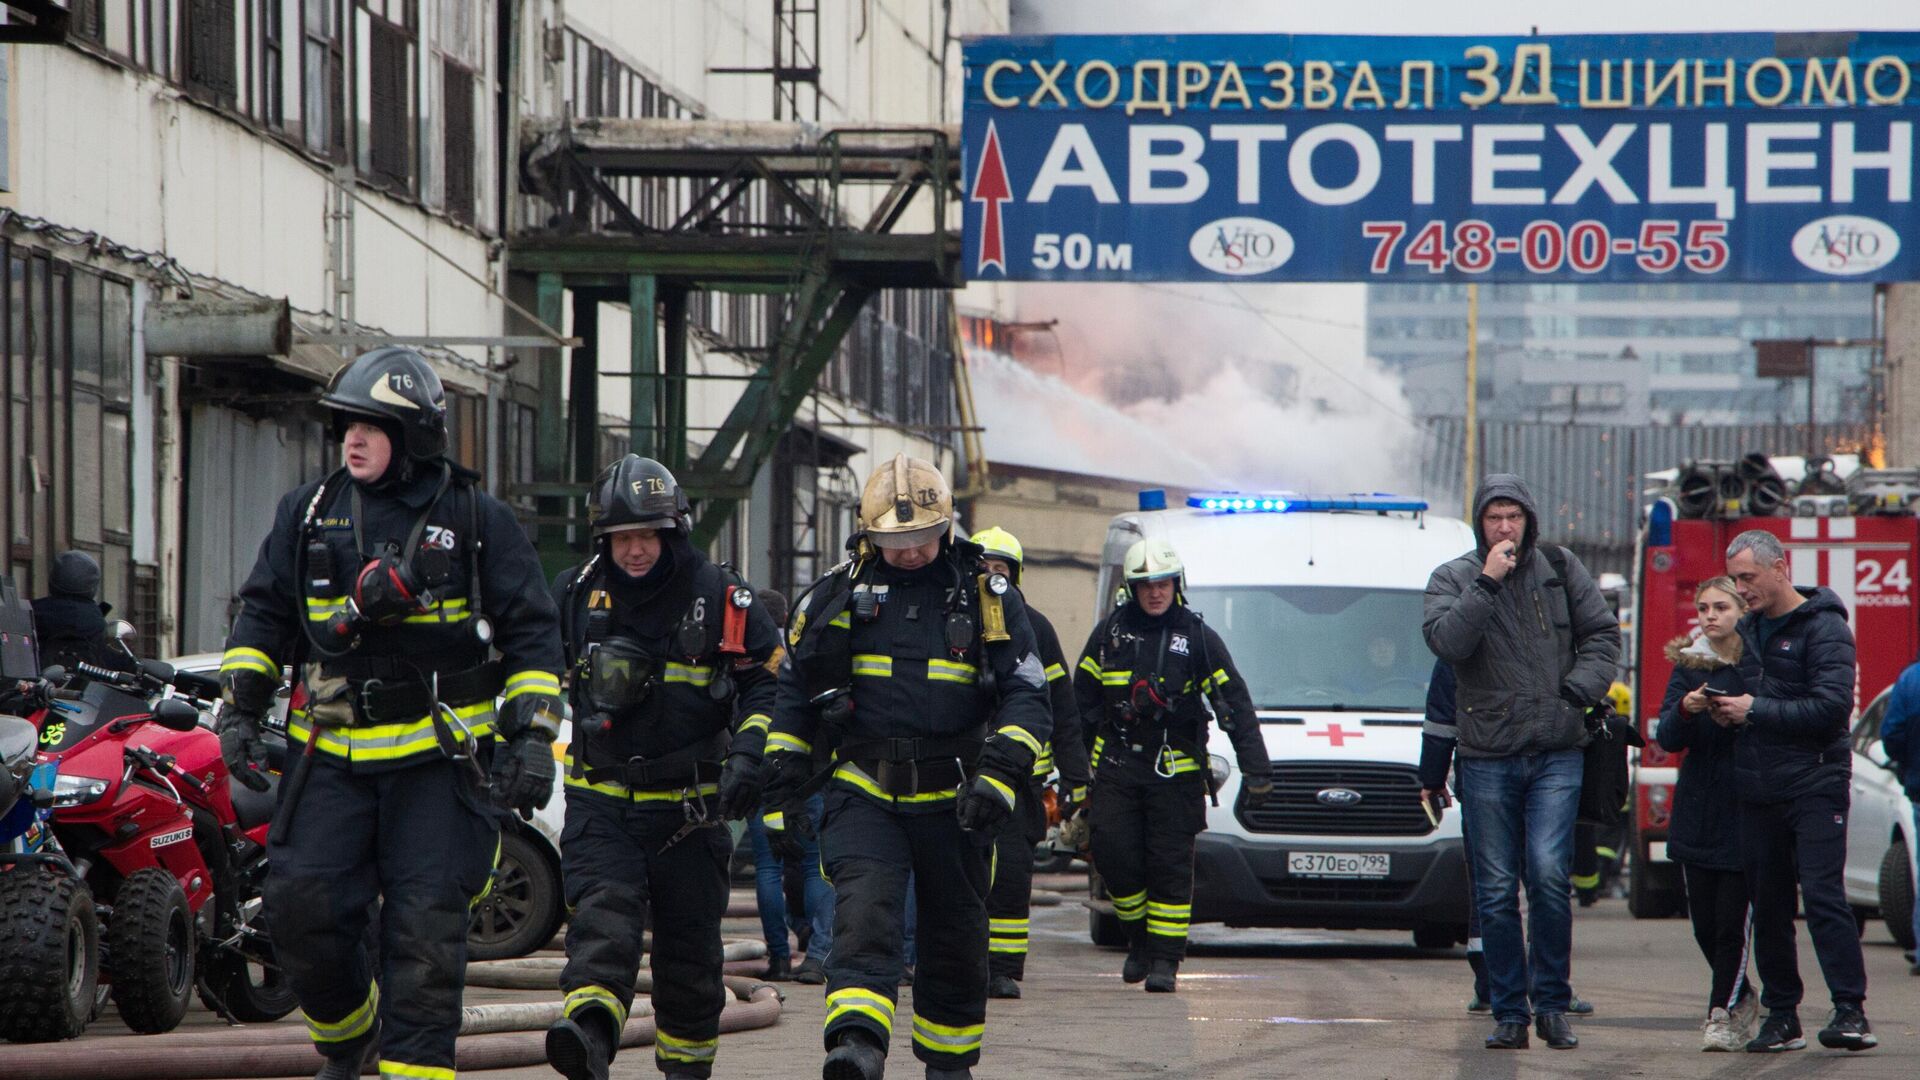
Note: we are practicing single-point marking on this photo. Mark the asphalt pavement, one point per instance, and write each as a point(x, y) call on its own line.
point(1296, 1004)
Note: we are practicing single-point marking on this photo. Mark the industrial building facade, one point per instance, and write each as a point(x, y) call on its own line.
point(376, 164)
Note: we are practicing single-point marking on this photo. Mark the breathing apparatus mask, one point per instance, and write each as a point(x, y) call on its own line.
point(620, 676)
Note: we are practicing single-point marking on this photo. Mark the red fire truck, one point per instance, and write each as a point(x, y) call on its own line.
point(1868, 560)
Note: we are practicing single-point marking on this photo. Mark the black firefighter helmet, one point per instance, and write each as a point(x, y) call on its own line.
point(636, 493)
point(393, 387)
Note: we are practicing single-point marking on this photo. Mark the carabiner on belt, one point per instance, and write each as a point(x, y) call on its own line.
point(1163, 763)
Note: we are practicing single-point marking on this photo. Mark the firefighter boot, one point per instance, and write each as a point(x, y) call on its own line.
point(855, 1057)
point(349, 1066)
point(1135, 968)
point(581, 1046)
point(961, 1073)
point(1160, 975)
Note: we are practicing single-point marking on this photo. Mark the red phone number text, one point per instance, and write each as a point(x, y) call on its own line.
point(1544, 247)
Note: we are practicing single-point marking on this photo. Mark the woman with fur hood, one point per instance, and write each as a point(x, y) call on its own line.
point(1704, 834)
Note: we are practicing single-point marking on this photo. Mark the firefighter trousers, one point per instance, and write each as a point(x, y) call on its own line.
point(1009, 900)
point(1143, 832)
point(869, 850)
point(421, 841)
point(618, 866)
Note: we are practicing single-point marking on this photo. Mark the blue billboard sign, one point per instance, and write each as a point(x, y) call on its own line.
point(1682, 158)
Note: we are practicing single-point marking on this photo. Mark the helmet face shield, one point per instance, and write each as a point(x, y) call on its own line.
point(912, 539)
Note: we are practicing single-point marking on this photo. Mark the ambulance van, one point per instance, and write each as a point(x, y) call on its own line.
point(1319, 601)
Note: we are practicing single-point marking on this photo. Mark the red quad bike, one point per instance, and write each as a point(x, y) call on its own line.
point(151, 819)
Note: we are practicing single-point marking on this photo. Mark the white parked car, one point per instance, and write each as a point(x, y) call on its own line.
point(524, 909)
point(1880, 832)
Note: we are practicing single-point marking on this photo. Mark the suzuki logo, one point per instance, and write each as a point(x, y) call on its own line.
point(1338, 796)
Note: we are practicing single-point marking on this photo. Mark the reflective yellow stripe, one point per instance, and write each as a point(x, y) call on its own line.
point(1132, 907)
point(320, 610)
point(1007, 935)
point(1004, 791)
point(1043, 764)
point(852, 774)
point(673, 1048)
point(1178, 763)
point(952, 671)
point(1099, 744)
point(350, 1027)
point(414, 1072)
point(492, 873)
point(1115, 678)
point(775, 821)
point(531, 682)
point(391, 742)
point(446, 611)
point(1169, 911)
point(877, 665)
point(244, 659)
point(844, 620)
point(1055, 671)
point(1090, 666)
point(755, 722)
point(1023, 737)
point(947, 1038)
point(595, 995)
point(694, 674)
point(780, 740)
point(862, 1002)
point(1166, 927)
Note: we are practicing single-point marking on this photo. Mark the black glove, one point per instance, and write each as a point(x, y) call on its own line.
point(242, 748)
point(1255, 791)
point(740, 786)
point(985, 805)
point(783, 773)
point(1069, 799)
point(524, 712)
point(523, 772)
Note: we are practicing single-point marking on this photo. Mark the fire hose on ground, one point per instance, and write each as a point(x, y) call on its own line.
point(504, 1035)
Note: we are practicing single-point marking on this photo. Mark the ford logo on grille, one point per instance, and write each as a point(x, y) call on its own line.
point(1338, 796)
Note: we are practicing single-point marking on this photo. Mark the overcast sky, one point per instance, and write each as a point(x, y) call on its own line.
point(1458, 16)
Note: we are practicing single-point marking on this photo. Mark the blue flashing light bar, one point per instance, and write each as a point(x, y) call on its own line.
point(1153, 499)
point(1240, 502)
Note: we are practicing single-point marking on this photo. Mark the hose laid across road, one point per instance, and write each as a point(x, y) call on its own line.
point(501, 1036)
point(742, 958)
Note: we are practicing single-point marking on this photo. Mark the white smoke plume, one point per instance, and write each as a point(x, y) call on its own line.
point(1282, 397)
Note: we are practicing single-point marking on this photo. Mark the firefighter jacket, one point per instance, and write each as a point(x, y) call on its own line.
point(704, 699)
point(1144, 681)
point(890, 643)
point(1065, 750)
point(300, 583)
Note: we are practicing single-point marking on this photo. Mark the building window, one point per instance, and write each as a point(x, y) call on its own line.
point(323, 80)
point(67, 433)
point(211, 70)
point(388, 155)
point(458, 140)
point(268, 94)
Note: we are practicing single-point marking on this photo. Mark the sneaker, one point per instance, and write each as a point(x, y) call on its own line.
point(1746, 1016)
point(1848, 1030)
point(1579, 1006)
point(1780, 1031)
point(1476, 1005)
point(1717, 1034)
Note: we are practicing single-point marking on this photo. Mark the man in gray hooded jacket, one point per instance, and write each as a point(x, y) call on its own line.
point(1533, 645)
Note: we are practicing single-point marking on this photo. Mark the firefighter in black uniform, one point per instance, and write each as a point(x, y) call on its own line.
point(1009, 902)
point(407, 600)
point(899, 659)
point(1151, 675)
point(671, 701)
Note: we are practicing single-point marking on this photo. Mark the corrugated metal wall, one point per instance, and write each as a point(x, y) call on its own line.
point(1588, 478)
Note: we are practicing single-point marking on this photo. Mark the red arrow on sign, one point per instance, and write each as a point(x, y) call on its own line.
point(990, 186)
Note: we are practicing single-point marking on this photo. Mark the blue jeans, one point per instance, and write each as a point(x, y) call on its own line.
point(1521, 811)
point(774, 917)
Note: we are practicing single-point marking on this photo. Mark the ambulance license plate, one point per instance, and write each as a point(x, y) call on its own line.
point(1338, 864)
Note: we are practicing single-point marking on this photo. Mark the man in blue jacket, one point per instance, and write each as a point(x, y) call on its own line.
point(1793, 769)
point(1900, 735)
